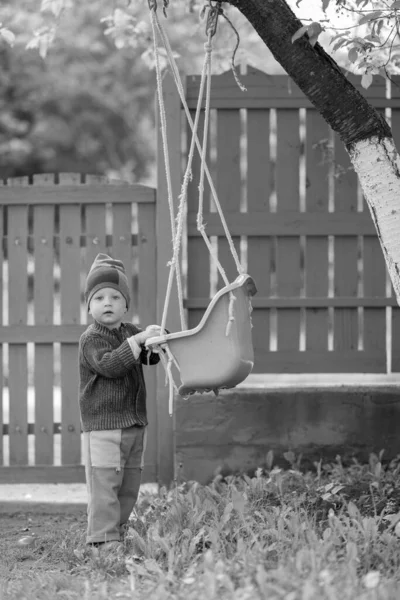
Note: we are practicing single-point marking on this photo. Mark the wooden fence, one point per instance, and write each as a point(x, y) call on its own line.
point(298, 219)
point(51, 229)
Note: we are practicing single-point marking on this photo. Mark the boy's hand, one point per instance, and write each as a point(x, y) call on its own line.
point(153, 330)
point(150, 331)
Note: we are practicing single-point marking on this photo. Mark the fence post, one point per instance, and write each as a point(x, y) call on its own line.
point(165, 423)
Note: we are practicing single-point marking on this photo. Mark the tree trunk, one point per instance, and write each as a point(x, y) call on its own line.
point(364, 131)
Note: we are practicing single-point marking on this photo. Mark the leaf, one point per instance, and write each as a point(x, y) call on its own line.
point(339, 44)
point(369, 17)
point(289, 456)
point(378, 470)
point(314, 29)
point(351, 551)
point(366, 80)
point(227, 513)
point(42, 40)
point(338, 35)
point(373, 38)
point(238, 501)
point(325, 4)
point(299, 33)
point(371, 579)
point(393, 518)
point(152, 566)
point(395, 4)
point(353, 55)
point(327, 534)
point(7, 36)
point(53, 6)
point(353, 510)
point(269, 459)
point(326, 497)
point(337, 489)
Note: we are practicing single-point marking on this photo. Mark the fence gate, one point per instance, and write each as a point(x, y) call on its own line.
point(299, 222)
point(51, 229)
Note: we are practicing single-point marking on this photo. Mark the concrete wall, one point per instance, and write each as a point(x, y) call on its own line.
point(235, 430)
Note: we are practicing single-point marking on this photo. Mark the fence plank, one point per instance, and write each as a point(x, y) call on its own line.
point(291, 302)
point(41, 334)
point(43, 474)
point(317, 200)
point(50, 474)
point(374, 319)
point(228, 182)
point(288, 274)
point(346, 252)
point(95, 226)
point(259, 248)
point(148, 314)
point(395, 319)
point(122, 246)
point(1, 322)
point(313, 361)
point(395, 341)
point(95, 232)
point(270, 91)
point(18, 303)
point(43, 301)
point(76, 193)
point(291, 223)
point(70, 260)
point(95, 216)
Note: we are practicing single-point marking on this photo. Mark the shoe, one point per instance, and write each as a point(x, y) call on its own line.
point(113, 547)
point(123, 530)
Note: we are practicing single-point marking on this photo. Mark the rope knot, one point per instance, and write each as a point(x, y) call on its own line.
point(212, 18)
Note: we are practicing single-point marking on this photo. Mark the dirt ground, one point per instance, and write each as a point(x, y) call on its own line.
point(52, 518)
point(45, 534)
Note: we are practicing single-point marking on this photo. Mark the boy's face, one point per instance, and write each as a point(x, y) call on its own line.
point(108, 307)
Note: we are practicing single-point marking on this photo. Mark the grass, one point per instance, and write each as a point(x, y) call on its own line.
point(333, 533)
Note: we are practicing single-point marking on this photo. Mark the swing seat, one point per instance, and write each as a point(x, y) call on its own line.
point(214, 355)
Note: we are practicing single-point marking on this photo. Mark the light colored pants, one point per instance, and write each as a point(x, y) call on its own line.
point(113, 467)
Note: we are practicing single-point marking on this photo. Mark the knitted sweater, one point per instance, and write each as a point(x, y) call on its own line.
point(112, 390)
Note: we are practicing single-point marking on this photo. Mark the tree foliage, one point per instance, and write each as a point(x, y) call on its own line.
point(77, 81)
point(74, 95)
point(371, 42)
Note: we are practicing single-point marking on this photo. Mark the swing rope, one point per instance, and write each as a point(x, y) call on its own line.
point(179, 85)
point(178, 232)
point(200, 223)
point(175, 264)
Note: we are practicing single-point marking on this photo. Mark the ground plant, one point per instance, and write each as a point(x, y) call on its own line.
point(280, 533)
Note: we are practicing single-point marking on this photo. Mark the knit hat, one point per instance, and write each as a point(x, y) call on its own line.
point(106, 272)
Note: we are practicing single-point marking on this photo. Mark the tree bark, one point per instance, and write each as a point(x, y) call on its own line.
point(377, 165)
point(364, 131)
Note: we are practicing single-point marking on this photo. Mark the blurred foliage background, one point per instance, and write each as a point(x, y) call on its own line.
point(88, 105)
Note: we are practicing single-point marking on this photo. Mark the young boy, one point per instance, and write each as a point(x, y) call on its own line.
point(112, 396)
